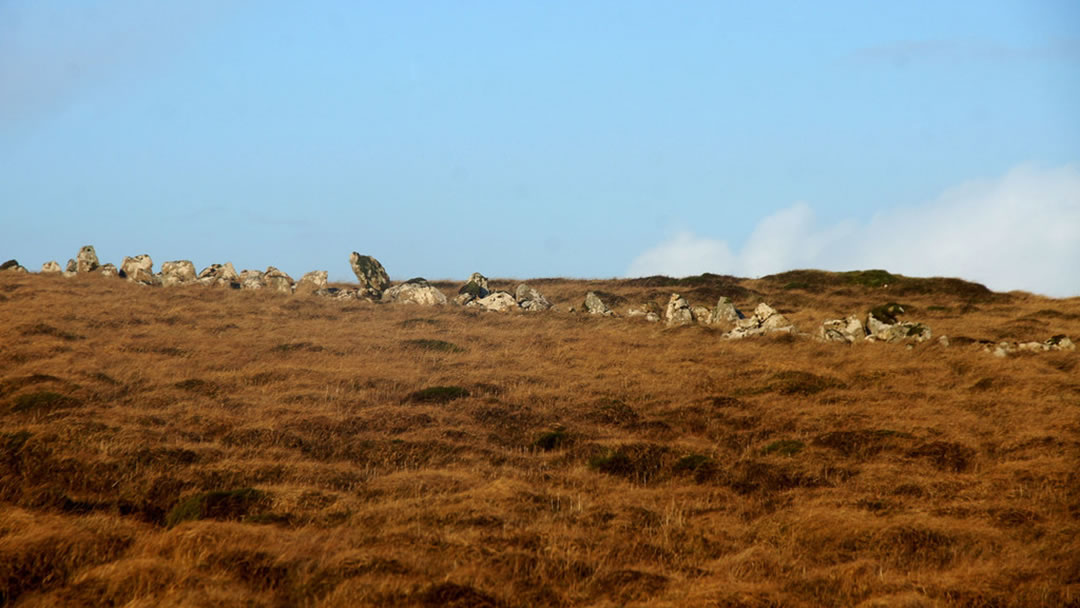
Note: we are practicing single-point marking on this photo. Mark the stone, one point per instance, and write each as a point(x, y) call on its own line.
point(678, 311)
point(652, 317)
point(277, 280)
point(219, 274)
point(12, 266)
point(764, 320)
point(177, 272)
point(1060, 342)
point(139, 269)
point(71, 266)
point(530, 299)
point(595, 306)
point(498, 301)
point(51, 267)
point(251, 279)
point(415, 291)
point(311, 283)
point(702, 314)
point(473, 289)
point(371, 274)
point(109, 270)
point(645, 310)
point(943, 341)
point(847, 330)
point(86, 260)
point(724, 312)
point(878, 330)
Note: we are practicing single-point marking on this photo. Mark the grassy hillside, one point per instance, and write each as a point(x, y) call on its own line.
point(199, 446)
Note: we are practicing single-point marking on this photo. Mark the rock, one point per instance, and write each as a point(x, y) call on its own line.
point(652, 317)
point(645, 310)
point(943, 341)
point(276, 280)
point(51, 267)
point(595, 306)
point(678, 311)
point(371, 274)
point(109, 270)
point(415, 291)
point(878, 330)
point(86, 260)
point(724, 312)
point(1060, 342)
point(499, 301)
point(530, 299)
point(473, 289)
point(220, 274)
point(764, 320)
point(177, 272)
point(311, 283)
point(12, 266)
point(139, 269)
point(251, 279)
point(701, 314)
point(71, 266)
point(847, 330)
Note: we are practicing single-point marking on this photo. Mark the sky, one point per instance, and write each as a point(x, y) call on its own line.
point(539, 139)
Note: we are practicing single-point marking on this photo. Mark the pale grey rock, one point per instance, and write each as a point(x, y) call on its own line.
point(765, 320)
point(277, 280)
point(644, 310)
point(1060, 342)
point(51, 267)
point(724, 312)
point(12, 266)
point(177, 272)
point(71, 267)
point(678, 311)
point(595, 306)
point(139, 269)
point(108, 270)
point(879, 331)
point(530, 299)
point(251, 279)
point(847, 330)
point(498, 301)
point(371, 274)
point(473, 289)
point(311, 283)
point(943, 341)
point(652, 317)
point(415, 291)
point(220, 275)
point(86, 260)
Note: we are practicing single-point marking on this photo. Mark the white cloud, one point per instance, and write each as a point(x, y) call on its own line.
point(1019, 231)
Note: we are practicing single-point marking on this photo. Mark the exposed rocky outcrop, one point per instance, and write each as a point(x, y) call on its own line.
point(251, 279)
point(848, 330)
point(277, 280)
point(139, 269)
point(473, 289)
point(765, 320)
point(650, 310)
point(220, 274)
point(595, 306)
point(108, 270)
point(371, 274)
point(678, 311)
point(530, 299)
point(72, 267)
point(701, 314)
point(1058, 342)
point(311, 283)
point(498, 301)
point(895, 332)
point(51, 267)
point(12, 266)
point(724, 312)
point(178, 272)
point(86, 260)
point(415, 291)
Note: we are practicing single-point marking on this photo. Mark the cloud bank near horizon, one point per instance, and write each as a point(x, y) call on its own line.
point(1020, 231)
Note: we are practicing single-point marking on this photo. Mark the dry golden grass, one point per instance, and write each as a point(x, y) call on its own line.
point(191, 446)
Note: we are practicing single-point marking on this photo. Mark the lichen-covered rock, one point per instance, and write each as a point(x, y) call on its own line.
point(724, 312)
point(498, 301)
point(1060, 342)
point(371, 274)
point(177, 272)
point(764, 320)
point(86, 260)
point(108, 270)
point(220, 274)
point(847, 330)
point(277, 280)
point(311, 283)
point(530, 299)
point(879, 330)
point(473, 289)
point(415, 291)
point(71, 267)
point(701, 314)
point(595, 306)
point(646, 309)
point(51, 267)
point(251, 279)
point(139, 269)
point(12, 266)
point(678, 311)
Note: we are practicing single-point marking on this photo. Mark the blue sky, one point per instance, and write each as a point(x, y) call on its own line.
point(582, 139)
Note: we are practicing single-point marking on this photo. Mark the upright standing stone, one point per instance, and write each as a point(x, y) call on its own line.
point(178, 272)
point(139, 269)
point(277, 280)
point(371, 274)
point(87, 260)
point(678, 311)
point(311, 283)
point(51, 267)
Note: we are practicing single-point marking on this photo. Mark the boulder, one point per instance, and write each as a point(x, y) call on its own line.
point(646, 309)
point(71, 266)
point(881, 331)
point(108, 270)
point(12, 266)
point(177, 272)
point(701, 314)
point(473, 289)
point(764, 320)
point(1060, 342)
point(499, 301)
point(51, 267)
point(86, 260)
point(847, 330)
point(311, 283)
point(371, 274)
point(139, 269)
point(530, 299)
point(219, 274)
point(415, 291)
point(277, 280)
point(595, 306)
point(724, 312)
point(251, 279)
point(678, 311)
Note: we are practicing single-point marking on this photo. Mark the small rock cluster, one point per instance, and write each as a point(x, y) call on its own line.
point(476, 293)
point(881, 326)
point(1004, 349)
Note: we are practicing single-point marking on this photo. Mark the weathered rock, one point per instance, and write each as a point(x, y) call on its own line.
point(139, 269)
point(1060, 342)
point(530, 299)
point(12, 266)
point(881, 331)
point(652, 317)
point(277, 280)
point(108, 270)
point(371, 274)
point(86, 260)
point(473, 289)
point(499, 301)
point(701, 314)
point(220, 274)
point(645, 310)
point(847, 330)
point(177, 272)
point(595, 306)
point(724, 312)
point(311, 283)
point(71, 267)
point(415, 291)
point(764, 320)
point(251, 279)
point(678, 311)
point(51, 267)
point(943, 341)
